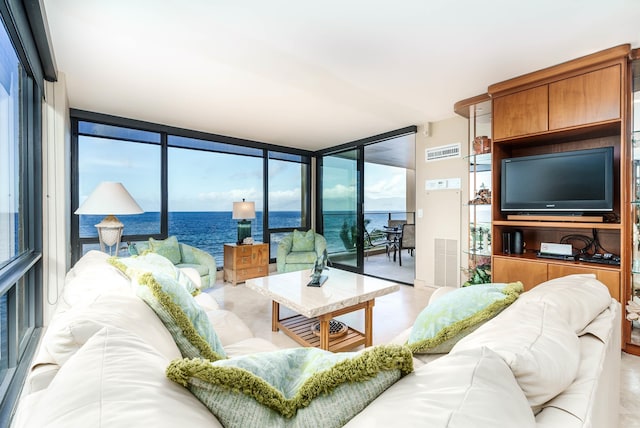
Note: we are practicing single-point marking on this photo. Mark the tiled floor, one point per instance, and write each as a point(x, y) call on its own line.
point(383, 266)
point(392, 314)
point(630, 391)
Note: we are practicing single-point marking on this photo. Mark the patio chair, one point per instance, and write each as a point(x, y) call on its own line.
point(374, 243)
point(407, 240)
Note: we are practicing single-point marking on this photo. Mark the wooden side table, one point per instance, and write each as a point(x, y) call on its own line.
point(242, 262)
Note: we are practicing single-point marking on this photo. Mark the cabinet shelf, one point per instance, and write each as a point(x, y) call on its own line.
point(530, 255)
point(558, 224)
point(477, 253)
point(479, 158)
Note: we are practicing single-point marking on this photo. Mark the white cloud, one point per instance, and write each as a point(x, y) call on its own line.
point(285, 200)
point(223, 201)
point(339, 191)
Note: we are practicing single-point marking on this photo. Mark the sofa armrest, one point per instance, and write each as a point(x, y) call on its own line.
point(197, 256)
point(284, 248)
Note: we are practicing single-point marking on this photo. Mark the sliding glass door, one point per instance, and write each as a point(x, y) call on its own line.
point(341, 207)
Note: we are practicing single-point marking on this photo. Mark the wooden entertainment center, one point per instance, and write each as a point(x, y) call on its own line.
point(580, 104)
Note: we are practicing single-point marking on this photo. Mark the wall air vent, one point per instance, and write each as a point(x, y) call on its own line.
point(443, 152)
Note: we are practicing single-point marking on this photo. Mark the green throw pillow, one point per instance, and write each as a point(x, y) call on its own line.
point(181, 315)
point(169, 248)
point(304, 241)
point(292, 387)
point(152, 262)
point(456, 314)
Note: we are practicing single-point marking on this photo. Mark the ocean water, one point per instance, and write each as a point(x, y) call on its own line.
point(210, 230)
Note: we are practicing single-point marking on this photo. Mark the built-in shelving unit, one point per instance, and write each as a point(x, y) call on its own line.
point(582, 104)
point(577, 105)
point(479, 248)
point(631, 328)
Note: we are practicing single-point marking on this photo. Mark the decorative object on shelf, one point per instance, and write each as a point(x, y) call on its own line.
point(317, 279)
point(110, 199)
point(633, 310)
point(244, 212)
point(480, 239)
point(481, 144)
point(482, 196)
point(336, 329)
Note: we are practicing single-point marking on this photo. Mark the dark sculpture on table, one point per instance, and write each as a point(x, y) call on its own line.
point(317, 279)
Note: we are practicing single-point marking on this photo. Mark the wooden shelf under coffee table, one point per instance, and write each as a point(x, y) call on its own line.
point(343, 292)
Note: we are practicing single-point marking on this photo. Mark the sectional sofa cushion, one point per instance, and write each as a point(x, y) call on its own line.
point(117, 380)
point(292, 387)
point(206, 302)
point(537, 343)
point(91, 277)
point(71, 330)
point(249, 346)
point(152, 262)
point(228, 326)
point(474, 388)
point(457, 313)
point(181, 315)
point(579, 298)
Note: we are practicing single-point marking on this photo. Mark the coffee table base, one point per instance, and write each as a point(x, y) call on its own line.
point(298, 328)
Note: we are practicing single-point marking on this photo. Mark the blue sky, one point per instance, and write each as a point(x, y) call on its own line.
point(206, 181)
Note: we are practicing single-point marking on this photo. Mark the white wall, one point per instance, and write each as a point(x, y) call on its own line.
point(56, 186)
point(443, 211)
point(410, 191)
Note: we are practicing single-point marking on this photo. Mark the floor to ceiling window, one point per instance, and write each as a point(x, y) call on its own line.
point(203, 185)
point(203, 176)
point(288, 198)
point(340, 208)
point(366, 196)
point(20, 218)
point(126, 155)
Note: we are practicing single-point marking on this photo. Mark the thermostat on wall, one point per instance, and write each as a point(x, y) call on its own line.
point(443, 183)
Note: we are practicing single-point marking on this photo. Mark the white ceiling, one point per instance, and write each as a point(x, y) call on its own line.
point(314, 74)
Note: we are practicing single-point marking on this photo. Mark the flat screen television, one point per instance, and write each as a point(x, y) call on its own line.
point(567, 182)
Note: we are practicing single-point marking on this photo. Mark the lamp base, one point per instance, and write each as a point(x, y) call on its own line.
point(109, 233)
point(244, 230)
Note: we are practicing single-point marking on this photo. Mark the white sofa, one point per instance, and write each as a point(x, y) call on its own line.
point(551, 359)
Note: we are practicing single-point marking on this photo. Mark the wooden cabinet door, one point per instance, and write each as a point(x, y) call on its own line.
point(587, 98)
point(530, 273)
point(608, 277)
point(521, 113)
point(260, 254)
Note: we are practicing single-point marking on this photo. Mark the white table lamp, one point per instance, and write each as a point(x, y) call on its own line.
point(109, 198)
point(244, 212)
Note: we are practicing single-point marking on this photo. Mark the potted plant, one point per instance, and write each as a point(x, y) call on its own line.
point(481, 274)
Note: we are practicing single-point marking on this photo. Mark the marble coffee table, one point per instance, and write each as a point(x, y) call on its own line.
point(343, 292)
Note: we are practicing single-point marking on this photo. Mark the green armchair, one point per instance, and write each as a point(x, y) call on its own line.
point(181, 255)
point(299, 251)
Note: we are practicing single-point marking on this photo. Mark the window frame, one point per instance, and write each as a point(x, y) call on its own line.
point(201, 141)
point(24, 270)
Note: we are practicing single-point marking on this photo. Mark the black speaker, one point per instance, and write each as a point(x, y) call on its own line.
point(518, 243)
point(506, 243)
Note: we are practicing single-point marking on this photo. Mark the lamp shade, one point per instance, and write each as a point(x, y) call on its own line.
point(109, 198)
point(244, 210)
